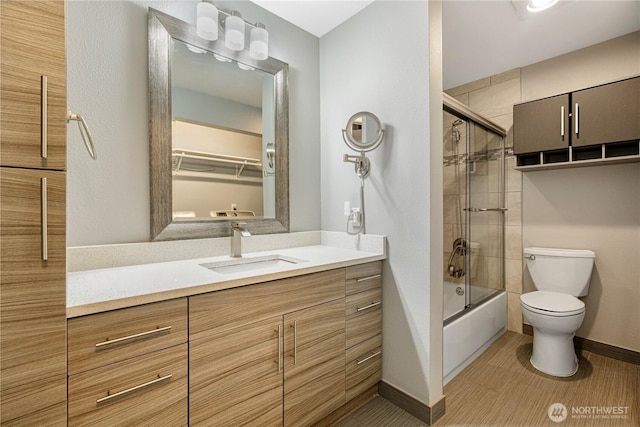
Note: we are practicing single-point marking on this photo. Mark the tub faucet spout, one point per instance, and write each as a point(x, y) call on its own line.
point(237, 232)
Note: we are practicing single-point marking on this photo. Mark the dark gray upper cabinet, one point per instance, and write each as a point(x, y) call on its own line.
point(541, 125)
point(598, 115)
point(608, 113)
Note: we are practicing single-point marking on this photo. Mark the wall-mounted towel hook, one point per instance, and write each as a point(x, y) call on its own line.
point(84, 132)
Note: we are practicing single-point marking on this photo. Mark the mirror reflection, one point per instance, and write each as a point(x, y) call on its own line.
point(222, 137)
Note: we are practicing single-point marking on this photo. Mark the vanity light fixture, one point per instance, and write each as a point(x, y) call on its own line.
point(540, 5)
point(208, 22)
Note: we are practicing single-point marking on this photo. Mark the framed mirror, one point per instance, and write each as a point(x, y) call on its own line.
point(218, 133)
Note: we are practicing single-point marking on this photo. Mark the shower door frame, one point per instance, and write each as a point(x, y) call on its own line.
point(456, 108)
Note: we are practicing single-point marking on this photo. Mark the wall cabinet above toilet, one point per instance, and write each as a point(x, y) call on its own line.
point(599, 124)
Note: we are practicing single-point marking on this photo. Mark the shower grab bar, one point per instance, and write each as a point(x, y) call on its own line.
point(486, 209)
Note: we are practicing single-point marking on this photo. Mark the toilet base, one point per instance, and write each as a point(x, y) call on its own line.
point(554, 354)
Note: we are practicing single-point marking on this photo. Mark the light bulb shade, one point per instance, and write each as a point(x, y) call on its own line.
point(207, 21)
point(259, 42)
point(234, 31)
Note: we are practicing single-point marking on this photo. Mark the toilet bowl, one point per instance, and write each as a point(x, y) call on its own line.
point(554, 311)
point(554, 317)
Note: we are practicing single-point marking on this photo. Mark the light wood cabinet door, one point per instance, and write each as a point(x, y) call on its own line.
point(236, 376)
point(33, 103)
point(608, 113)
point(314, 378)
point(541, 125)
point(32, 295)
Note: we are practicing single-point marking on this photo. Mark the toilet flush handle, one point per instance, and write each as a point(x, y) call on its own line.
point(531, 257)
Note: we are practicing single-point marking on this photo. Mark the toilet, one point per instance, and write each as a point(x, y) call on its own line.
point(554, 311)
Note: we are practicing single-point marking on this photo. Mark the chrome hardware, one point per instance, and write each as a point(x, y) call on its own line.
point(371, 356)
point(279, 347)
point(459, 248)
point(366, 307)
point(562, 121)
point(140, 387)
point(135, 337)
point(44, 115)
point(237, 232)
point(295, 341)
point(84, 133)
point(530, 257)
point(485, 209)
point(459, 291)
point(44, 219)
point(364, 279)
point(577, 112)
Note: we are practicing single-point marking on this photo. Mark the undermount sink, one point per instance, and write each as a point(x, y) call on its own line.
point(242, 265)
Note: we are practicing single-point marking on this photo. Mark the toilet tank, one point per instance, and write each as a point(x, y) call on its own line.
point(567, 271)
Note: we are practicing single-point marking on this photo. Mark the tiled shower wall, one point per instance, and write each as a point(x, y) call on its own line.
point(493, 98)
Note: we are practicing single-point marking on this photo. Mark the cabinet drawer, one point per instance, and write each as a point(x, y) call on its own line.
point(216, 312)
point(364, 316)
point(104, 338)
point(364, 366)
point(148, 390)
point(363, 277)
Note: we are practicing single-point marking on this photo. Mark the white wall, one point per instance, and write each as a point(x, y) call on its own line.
point(370, 63)
point(108, 200)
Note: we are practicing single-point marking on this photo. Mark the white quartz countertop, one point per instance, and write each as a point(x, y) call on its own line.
point(94, 291)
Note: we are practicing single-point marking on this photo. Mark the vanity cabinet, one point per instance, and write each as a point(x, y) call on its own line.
point(129, 365)
point(32, 213)
point(363, 328)
point(268, 354)
point(597, 125)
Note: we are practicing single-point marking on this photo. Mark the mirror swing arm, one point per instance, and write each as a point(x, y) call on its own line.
point(162, 29)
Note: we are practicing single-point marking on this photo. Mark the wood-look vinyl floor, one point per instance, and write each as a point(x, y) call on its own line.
point(501, 388)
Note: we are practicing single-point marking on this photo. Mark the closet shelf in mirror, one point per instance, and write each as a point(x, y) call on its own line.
point(182, 157)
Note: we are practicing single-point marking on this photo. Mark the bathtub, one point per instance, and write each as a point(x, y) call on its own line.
point(470, 332)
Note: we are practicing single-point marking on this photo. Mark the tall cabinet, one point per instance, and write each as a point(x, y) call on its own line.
point(32, 213)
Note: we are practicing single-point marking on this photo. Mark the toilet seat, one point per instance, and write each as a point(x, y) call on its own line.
point(552, 303)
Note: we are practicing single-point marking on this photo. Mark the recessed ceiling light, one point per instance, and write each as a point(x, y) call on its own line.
point(540, 5)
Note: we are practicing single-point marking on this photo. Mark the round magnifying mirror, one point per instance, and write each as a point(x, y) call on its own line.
point(364, 131)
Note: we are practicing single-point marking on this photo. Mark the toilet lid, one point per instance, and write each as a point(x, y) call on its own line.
point(552, 303)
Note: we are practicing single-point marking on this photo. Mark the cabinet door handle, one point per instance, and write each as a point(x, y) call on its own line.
point(131, 390)
point(366, 307)
point(44, 115)
point(562, 121)
point(371, 356)
point(134, 337)
point(44, 219)
point(577, 112)
point(279, 348)
point(364, 279)
point(295, 341)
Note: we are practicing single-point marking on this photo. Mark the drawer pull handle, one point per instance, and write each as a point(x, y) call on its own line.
point(140, 387)
point(364, 279)
point(135, 337)
point(371, 356)
point(366, 307)
point(44, 116)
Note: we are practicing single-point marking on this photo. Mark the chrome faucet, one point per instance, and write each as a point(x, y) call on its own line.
point(236, 238)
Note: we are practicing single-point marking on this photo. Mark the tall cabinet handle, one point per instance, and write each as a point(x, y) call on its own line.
point(44, 116)
point(295, 342)
point(44, 219)
point(562, 121)
point(577, 112)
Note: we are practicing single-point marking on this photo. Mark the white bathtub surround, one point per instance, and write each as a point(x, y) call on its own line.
point(467, 337)
point(107, 256)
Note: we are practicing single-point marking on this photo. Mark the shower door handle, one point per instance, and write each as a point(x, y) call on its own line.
point(485, 209)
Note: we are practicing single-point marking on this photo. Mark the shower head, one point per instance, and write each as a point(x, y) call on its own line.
point(457, 122)
point(455, 134)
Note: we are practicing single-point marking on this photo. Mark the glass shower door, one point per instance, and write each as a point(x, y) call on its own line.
point(485, 213)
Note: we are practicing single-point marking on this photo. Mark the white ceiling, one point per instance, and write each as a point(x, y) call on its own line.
point(486, 37)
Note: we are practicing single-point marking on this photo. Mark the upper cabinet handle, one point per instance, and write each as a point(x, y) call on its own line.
point(562, 121)
point(44, 114)
point(577, 113)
